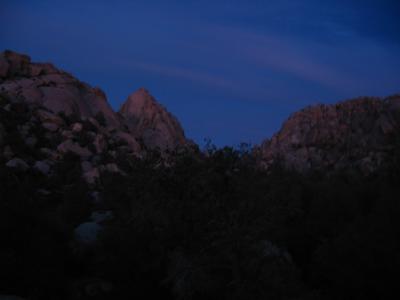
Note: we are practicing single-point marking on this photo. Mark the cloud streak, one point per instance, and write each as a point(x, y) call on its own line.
point(283, 55)
point(204, 78)
point(235, 87)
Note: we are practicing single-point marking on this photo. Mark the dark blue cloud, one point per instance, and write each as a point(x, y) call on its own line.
point(230, 70)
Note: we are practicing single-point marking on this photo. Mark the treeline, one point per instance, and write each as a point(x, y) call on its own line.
point(209, 225)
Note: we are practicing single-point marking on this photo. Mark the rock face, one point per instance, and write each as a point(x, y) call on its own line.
point(58, 117)
point(17, 163)
point(56, 91)
point(148, 119)
point(356, 133)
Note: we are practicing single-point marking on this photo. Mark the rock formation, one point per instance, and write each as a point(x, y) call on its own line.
point(148, 119)
point(54, 114)
point(77, 118)
point(357, 133)
point(59, 92)
point(54, 89)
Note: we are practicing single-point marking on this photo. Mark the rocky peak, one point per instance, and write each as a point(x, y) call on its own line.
point(137, 102)
point(43, 87)
point(58, 91)
point(145, 117)
point(354, 133)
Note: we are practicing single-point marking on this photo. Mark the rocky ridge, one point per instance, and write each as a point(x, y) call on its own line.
point(59, 92)
point(77, 118)
point(358, 133)
point(55, 114)
point(56, 90)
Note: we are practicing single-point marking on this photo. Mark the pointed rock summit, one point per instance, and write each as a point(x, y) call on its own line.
point(146, 118)
point(41, 85)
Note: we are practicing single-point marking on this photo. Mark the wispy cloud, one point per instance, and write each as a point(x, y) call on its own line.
point(185, 74)
point(210, 80)
point(235, 48)
point(284, 55)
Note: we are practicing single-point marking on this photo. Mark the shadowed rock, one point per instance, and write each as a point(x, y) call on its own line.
point(17, 163)
point(355, 133)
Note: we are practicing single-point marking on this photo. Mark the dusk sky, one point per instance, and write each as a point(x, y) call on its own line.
point(231, 71)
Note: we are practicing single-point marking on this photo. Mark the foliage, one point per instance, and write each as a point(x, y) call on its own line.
point(203, 225)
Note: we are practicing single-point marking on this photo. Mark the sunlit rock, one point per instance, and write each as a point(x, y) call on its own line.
point(146, 118)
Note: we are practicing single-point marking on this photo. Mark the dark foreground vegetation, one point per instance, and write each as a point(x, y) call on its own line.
point(210, 225)
point(206, 227)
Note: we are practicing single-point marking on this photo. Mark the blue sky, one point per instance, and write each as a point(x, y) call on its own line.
point(231, 71)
